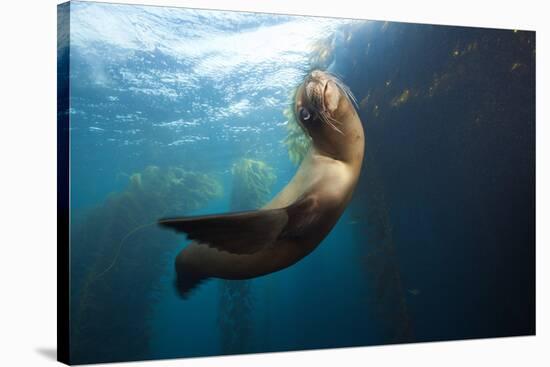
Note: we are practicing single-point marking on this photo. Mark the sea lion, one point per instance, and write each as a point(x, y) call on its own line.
point(249, 244)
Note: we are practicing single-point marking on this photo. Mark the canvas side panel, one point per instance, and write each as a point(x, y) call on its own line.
point(63, 116)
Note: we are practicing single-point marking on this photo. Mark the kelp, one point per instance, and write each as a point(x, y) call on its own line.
point(297, 141)
point(322, 53)
point(252, 182)
point(378, 257)
point(419, 104)
point(376, 253)
point(118, 257)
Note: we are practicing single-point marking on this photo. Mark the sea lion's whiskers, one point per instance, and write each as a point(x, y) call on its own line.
point(318, 101)
point(345, 89)
point(351, 96)
point(327, 119)
point(336, 128)
point(334, 121)
point(315, 95)
point(333, 127)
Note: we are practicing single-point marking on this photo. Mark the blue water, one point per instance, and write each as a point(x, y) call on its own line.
point(437, 244)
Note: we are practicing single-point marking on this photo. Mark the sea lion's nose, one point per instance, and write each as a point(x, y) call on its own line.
point(316, 74)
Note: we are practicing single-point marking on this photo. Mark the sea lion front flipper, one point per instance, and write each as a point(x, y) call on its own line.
point(250, 231)
point(238, 233)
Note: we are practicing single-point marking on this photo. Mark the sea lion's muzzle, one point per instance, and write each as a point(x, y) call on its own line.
point(331, 96)
point(322, 91)
point(319, 101)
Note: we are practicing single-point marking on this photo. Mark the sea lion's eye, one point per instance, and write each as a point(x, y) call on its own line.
point(304, 114)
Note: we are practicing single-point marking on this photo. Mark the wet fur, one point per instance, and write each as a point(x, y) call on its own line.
point(251, 244)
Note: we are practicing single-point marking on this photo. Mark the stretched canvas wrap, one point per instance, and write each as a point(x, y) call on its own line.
point(233, 182)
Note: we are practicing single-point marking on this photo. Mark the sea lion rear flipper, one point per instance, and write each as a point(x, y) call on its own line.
point(186, 282)
point(247, 232)
point(238, 233)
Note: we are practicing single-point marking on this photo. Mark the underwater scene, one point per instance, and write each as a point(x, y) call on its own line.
point(178, 112)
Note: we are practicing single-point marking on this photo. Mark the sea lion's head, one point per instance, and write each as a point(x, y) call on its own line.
point(324, 108)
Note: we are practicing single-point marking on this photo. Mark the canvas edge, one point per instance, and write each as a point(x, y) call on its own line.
point(63, 184)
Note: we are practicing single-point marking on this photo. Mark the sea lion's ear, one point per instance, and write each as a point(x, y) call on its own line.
point(238, 233)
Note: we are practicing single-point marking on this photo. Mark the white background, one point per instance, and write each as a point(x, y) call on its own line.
point(28, 183)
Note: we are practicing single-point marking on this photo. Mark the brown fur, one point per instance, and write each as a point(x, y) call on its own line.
point(309, 205)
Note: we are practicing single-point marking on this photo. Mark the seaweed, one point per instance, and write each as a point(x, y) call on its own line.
point(322, 53)
point(252, 182)
point(118, 258)
point(383, 288)
point(379, 260)
point(446, 138)
point(297, 141)
point(454, 116)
